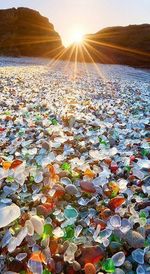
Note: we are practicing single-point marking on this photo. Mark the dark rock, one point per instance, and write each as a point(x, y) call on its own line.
point(24, 32)
point(128, 45)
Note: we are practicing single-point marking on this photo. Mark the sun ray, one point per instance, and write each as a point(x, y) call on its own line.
point(57, 58)
point(84, 62)
point(76, 60)
point(104, 59)
point(53, 50)
point(100, 72)
point(69, 57)
point(76, 36)
point(119, 47)
point(40, 26)
point(32, 42)
point(95, 65)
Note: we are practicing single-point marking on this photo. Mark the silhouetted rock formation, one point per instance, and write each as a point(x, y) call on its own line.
point(24, 32)
point(115, 45)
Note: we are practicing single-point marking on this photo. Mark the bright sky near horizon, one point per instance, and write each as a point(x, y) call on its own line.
point(86, 16)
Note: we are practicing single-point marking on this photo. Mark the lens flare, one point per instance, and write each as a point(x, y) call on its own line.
point(76, 36)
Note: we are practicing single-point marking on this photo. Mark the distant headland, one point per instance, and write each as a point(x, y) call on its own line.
point(25, 32)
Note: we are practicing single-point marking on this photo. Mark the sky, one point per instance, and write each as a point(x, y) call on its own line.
point(71, 17)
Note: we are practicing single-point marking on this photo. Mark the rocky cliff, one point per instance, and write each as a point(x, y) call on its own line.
point(24, 32)
point(116, 45)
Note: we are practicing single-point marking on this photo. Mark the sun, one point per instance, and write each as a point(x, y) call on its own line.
point(77, 37)
point(74, 35)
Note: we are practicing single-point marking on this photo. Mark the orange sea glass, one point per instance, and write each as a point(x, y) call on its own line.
point(116, 202)
point(89, 269)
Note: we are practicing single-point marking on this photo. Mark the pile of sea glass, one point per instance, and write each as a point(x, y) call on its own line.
point(74, 169)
